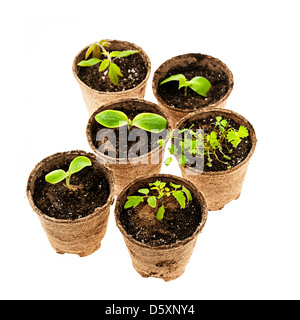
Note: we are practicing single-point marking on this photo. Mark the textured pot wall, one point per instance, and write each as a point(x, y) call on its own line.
point(82, 236)
point(221, 187)
point(126, 172)
point(166, 262)
point(185, 60)
point(93, 98)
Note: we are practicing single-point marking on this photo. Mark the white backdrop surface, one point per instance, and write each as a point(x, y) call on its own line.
point(248, 250)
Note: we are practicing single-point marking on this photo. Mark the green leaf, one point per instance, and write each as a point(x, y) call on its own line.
point(112, 118)
point(180, 197)
point(232, 135)
point(56, 176)
point(152, 201)
point(160, 213)
point(133, 201)
point(218, 119)
point(90, 50)
point(175, 186)
point(200, 85)
point(78, 164)
point(89, 63)
point(104, 64)
point(162, 142)
point(224, 123)
point(150, 121)
point(104, 43)
point(123, 54)
point(97, 52)
point(177, 77)
point(168, 161)
point(188, 193)
point(226, 157)
point(114, 72)
point(144, 191)
point(243, 132)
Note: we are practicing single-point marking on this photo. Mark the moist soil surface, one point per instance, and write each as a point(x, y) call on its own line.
point(145, 145)
point(176, 98)
point(132, 67)
point(238, 154)
point(177, 224)
point(90, 190)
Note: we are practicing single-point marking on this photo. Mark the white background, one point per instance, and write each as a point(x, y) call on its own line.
point(248, 250)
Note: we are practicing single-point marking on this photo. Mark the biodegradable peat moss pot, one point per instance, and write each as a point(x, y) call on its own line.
point(75, 220)
point(97, 88)
point(149, 161)
point(160, 248)
point(191, 65)
point(221, 181)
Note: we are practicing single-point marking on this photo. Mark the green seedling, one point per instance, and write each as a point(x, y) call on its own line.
point(180, 193)
point(198, 84)
point(59, 175)
point(222, 138)
point(106, 59)
point(145, 121)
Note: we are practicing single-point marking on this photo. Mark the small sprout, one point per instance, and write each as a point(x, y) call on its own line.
point(180, 193)
point(208, 144)
point(59, 175)
point(145, 121)
point(198, 84)
point(98, 50)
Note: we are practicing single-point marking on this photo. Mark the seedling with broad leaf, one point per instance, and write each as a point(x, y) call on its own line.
point(161, 190)
point(146, 121)
point(76, 165)
point(198, 84)
point(223, 138)
point(106, 59)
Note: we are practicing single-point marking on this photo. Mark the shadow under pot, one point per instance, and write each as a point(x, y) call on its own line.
point(129, 153)
point(180, 102)
point(218, 160)
point(97, 87)
point(160, 245)
point(74, 215)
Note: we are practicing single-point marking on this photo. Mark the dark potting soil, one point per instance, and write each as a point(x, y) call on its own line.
point(145, 145)
point(90, 190)
point(176, 98)
point(238, 154)
point(177, 224)
point(132, 67)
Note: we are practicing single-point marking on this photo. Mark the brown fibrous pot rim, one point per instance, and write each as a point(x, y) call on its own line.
point(146, 60)
point(157, 71)
point(194, 191)
point(115, 102)
point(108, 175)
point(220, 111)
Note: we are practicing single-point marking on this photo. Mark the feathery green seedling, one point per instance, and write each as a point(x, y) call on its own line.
point(198, 84)
point(145, 121)
point(222, 138)
point(180, 193)
point(97, 50)
point(59, 175)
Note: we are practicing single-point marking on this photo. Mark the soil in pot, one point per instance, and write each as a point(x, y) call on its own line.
point(145, 147)
point(238, 153)
point(133, 69)
point(160, 247)
point(222, 177)
point(90, 190)
point(170, 94)
point(177, 224)
point(75, 220)
point(126, 166)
